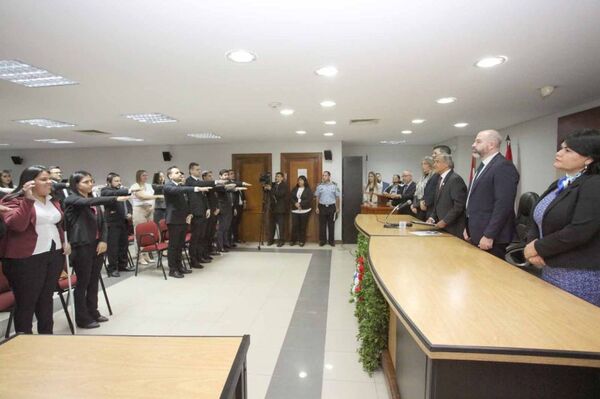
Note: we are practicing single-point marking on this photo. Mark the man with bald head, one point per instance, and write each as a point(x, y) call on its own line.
point(491, 196)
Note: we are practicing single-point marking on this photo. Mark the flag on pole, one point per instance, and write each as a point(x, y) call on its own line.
point(472, 173)
point(508, 149)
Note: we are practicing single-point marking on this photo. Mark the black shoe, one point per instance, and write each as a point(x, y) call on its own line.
point(292, 243)
point(321, 243)
point(270, 242)
point(176, 274)
point(301, 244)
point(238, 241)
point(224, 250)
point(101, 319)
point(91, 324)
point(197, 266)
point(332, 244)
point(205, 260)
point(185, 271)
point(279, 244)
point(127, 269)
point(114, 273)
point(208, 257)
point(233, 246)
point(215, 253)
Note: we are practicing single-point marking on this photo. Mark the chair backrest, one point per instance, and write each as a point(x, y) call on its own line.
point(147, 234)
point(4, 286)
point(164, 229)
point(527, 204)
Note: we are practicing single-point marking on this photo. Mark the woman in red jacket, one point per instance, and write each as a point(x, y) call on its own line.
point(32, 249)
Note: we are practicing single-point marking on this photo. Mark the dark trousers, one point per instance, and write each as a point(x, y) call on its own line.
point(224, 219)
point(278, 222)
point(117, 245)
point(211, 231)
point(299, 222)
point(235, 224)
point(326, 223)
point(87, 265)
point(498, 250)
point(33, 281)
point(177, 234)
point(197, 243)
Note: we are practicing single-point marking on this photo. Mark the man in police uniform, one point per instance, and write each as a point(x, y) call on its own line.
point(328, 205)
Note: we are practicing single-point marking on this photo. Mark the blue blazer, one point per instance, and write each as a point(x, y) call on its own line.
point(491, 204)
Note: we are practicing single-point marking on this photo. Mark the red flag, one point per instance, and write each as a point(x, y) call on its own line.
point(508, 149)
point(472, 173)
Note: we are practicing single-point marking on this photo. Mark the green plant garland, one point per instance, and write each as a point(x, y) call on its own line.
point(371, 310)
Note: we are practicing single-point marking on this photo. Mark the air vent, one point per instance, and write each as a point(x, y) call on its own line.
point(92, 132)
point(360, 122)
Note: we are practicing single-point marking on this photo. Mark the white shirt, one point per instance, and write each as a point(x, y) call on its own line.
point(148, 190)
point(443, 176)
point(46, 218)
point(299, 196)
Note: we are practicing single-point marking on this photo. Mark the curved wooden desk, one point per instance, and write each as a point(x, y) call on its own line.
point(460, 313)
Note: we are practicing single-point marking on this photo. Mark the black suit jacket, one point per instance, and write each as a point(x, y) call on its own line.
point(429, 192)
point(450, 202)
point(198, 202)
point(116, 212)
point(306, 198)
point(491, 208)
point(571, 226)
point(279, 197)
point(237, 196)
point(83, 224)
point(178, 207)
point(58, 192)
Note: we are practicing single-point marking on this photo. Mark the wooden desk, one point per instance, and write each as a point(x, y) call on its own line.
point(373, 226)
point(467, 324)
point(84, 366)
point(375, 210)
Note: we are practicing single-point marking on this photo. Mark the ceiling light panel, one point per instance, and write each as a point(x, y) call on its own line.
point(286, 112)
point(47, 123)
point(125, 138)
point(241, 56)
point(461, 124)
point(327, 104)
point(207, 135)
point(62, 142)
point(327, 71)
point(445, 100)
point(330, 123)
point(29, 76)
point(490, 62)
point(406, 132)
point(418, 121)
point(151, 118)
point(300, 132)
point(328, 134)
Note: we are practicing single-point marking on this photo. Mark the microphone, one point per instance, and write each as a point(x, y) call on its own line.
point(397, 208)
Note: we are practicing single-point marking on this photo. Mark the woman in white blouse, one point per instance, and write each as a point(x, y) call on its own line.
point(33, 249)
point(301, 199)
point(143, 204)
point(371, 190)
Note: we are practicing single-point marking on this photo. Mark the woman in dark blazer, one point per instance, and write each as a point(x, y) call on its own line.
point(33, 248)
point(301, 201)
point(88, 234)
point(564, 240)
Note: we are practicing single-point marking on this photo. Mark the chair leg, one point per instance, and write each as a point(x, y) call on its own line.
point(105, 266)
point(187, 256)
point(160, 256)
point(11, 315)
point(129, 258)
point(105, 296)
point(137, 262)
point(64, 305)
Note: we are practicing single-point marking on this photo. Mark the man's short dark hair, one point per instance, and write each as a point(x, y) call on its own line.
point(223, 171)
point(53, 167)
point(191, 165)
point(279, 173)
point(111, 176)
point(443, 148)
point(170, 170)
point(328, 172)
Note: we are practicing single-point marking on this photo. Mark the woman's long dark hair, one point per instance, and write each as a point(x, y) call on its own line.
point(10, 185)
point(77, 177)
point(586, 142)
point(305, 180)
point(156, 178)
point(27, 175)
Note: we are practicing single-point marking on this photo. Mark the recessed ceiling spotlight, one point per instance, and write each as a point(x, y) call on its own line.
point(300, 131)
point(418, 121)
point(327, 71)
point(207, 135)
point(445, 100)
point(392, 141)
point(125, 138)
point(489, 62)
point(327, 104)
point(330, 123)
point(286, 111)
point(406, 132)
point(152, 118)
point(461, 124)
point(26, 75)
point(47, 123)
point(547, 91)
point(61, 142)
point(2, 144)
point(328, 134)
point(275, 105)
point(242, 56)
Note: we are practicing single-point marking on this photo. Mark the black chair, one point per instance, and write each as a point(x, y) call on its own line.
point(514, 252)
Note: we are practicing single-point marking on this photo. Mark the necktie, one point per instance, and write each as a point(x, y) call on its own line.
point(481, 165)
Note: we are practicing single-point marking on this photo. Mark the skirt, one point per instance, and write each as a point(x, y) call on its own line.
point(584, 283)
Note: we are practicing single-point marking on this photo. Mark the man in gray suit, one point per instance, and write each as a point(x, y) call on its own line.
point(450, 197)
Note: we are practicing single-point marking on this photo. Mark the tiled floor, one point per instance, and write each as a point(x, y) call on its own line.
point(293, 302)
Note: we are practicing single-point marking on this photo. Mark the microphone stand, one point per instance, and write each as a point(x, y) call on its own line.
point(396, 208)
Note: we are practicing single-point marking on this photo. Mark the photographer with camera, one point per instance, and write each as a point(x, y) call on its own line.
point(278, 192)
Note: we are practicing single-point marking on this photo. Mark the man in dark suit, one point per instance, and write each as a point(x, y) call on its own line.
point(211, 228)
point(239, 204)
point(178, 216)
point(58, 185)
point(407, 192)
point(279, 192)
point(450, 197)
point(200, 210)
point(428, 200)
point(118, 216)
point(491, 198)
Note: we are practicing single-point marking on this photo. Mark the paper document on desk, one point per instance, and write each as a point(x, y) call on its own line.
point(426, 233)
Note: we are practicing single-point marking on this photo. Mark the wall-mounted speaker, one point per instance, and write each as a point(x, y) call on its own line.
point(167, 156)
point(17, 160)
point(328, 155)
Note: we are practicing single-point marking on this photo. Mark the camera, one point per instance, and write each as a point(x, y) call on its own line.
point(265, 178)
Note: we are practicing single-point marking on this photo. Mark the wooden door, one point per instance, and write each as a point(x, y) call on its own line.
point(248, 168)
point(310, 165)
